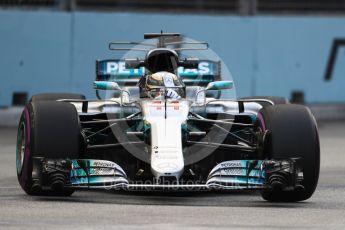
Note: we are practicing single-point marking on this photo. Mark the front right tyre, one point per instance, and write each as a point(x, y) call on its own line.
point(47, 129)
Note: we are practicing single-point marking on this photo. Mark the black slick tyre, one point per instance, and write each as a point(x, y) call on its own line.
point(47, 129)
point(292, 133)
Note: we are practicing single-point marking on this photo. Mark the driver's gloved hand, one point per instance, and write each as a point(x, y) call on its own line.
point(173, 94)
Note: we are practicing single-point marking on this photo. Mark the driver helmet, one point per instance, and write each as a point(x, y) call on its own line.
point(156, 82)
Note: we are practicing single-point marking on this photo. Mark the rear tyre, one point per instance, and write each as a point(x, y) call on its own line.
point(56, 96)
point(46, 129)
point(292, 133)
point(275, 100)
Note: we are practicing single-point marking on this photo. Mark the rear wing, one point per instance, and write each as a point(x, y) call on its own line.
point(116, 71)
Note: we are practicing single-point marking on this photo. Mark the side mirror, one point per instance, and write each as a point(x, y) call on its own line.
point(106, 85)
point(220, 85)
point(134, 63)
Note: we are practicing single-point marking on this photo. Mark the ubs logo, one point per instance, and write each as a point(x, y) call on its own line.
point(337, 44)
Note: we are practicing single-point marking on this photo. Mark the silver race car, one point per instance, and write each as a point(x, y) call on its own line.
point(161, 123)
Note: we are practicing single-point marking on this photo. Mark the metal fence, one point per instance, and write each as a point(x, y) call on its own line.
point(247, 7)
point(300, 6)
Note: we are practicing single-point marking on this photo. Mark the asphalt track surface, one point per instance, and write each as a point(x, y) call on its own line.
point(201, 210)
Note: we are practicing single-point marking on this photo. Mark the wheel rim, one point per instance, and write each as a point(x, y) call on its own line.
point(21, 143)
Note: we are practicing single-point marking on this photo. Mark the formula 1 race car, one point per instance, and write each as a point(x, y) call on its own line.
point(163, 125)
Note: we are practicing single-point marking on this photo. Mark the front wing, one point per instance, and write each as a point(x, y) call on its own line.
point(229, 175)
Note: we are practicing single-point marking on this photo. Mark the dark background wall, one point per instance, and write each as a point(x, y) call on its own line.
point(44, 50)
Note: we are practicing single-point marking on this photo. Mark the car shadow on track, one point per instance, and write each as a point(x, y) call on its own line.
point(212, 199)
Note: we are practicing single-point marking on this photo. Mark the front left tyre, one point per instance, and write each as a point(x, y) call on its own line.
point(47, 129)
point(292, 133)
